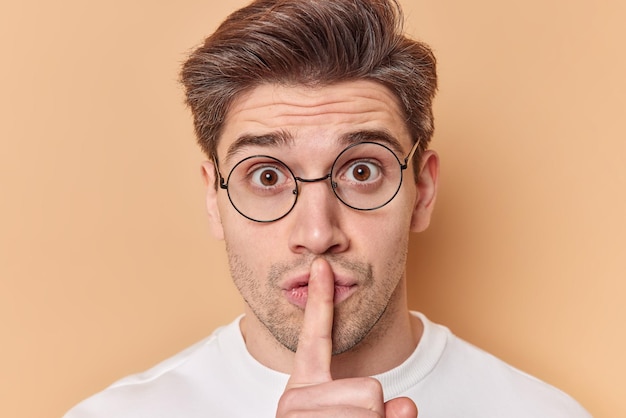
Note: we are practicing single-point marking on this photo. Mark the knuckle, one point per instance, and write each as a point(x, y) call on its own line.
point(288, 401)
point(370, 385)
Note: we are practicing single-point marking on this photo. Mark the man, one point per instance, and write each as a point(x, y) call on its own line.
point(316, 117)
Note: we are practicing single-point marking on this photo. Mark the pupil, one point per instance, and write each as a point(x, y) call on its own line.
point(361, 172)
point(268, 178)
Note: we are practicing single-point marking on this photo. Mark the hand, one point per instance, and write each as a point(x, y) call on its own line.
point(311, 390)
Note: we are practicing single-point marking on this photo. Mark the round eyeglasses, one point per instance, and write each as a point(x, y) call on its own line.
point(364, 176)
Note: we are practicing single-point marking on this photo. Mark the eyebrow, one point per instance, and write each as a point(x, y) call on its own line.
point(279, 138)
point(376, 135)
point(272, 139)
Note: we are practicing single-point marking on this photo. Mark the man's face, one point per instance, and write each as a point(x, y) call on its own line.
point(306, 129)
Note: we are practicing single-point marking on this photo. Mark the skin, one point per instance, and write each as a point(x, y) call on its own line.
point(323, 242)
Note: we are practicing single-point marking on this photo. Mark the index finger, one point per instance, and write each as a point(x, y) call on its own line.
point(312, 358)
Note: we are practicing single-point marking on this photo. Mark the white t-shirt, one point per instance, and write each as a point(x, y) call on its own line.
point(218, 378)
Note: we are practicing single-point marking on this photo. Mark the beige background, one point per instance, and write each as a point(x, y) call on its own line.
point(106, 265)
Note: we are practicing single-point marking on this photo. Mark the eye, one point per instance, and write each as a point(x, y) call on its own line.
point(362, 171)
point(267, 177)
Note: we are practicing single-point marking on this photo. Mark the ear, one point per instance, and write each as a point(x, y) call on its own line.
point(426, 191)
point(209, 175)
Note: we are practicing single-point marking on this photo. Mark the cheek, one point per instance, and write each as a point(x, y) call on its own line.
point(383, 236)
point(251, 242)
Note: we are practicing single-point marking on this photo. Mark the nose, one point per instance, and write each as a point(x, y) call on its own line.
point(316, 226)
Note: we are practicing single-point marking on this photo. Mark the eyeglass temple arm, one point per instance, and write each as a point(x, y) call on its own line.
point(222, 182)
point(409, 157)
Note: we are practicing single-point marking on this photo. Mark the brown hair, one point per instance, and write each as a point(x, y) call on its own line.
point(309, 42)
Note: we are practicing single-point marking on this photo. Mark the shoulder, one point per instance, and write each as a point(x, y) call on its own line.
point(507, 386)
point(166, 386)
point(469, 376)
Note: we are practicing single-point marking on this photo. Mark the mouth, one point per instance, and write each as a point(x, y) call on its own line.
point(297, 291)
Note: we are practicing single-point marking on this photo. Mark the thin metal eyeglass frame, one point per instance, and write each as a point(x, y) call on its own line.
point(224, 183)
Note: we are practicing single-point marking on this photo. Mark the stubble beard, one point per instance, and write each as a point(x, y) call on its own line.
point(354, 318)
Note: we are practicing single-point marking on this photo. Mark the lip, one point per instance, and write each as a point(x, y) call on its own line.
point(296, 290)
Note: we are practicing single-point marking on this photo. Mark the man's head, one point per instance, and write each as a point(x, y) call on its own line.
point(279, 92)
point(310, 43)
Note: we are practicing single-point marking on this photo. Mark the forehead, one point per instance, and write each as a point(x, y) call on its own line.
point(313, 118)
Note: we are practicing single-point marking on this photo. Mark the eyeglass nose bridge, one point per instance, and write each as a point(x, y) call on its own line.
point(303, 180)
point(333, 184)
